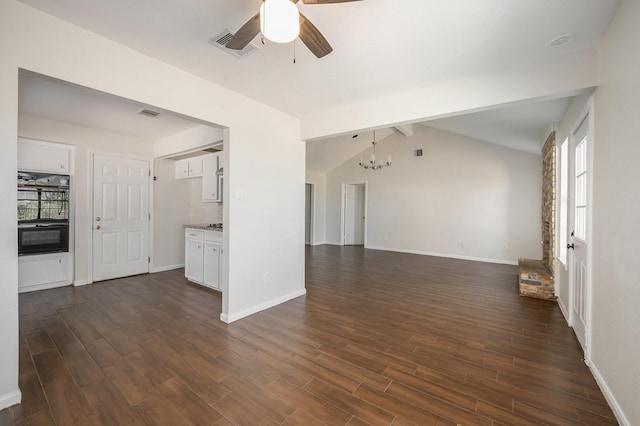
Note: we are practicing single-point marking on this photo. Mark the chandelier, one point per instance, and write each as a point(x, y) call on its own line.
point(372, 163)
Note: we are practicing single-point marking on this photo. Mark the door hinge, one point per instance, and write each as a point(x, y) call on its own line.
point(149, 172)
point(149, 259)
point(149, 216)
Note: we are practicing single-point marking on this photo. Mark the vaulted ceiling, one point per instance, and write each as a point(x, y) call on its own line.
point(381, 47)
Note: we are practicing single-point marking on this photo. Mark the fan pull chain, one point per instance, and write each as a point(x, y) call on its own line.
point(294, 51)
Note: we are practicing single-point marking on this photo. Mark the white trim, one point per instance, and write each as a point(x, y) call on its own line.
point(261, 307)
point(156, 269)
point(451, 256)
point(45, 286)
point(608, 395)
point(9, 399)
point(78, 283)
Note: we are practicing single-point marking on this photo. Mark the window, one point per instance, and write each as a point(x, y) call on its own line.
point(563, 186)
point(580, 226)
point(37, 204)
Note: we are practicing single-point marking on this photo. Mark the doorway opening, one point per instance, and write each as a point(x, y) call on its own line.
point(354, 213)
point(309, 193)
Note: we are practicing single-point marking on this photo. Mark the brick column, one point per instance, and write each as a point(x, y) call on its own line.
point(549, 199)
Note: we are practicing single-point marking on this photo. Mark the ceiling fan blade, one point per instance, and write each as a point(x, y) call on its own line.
point(313, 39)
point(325, 1)
point(245, 34)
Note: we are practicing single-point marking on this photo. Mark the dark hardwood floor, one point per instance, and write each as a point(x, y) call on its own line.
point(380, 338)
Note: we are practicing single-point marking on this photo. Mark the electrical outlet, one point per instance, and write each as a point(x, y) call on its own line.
point(462, 244)
point(266, 277)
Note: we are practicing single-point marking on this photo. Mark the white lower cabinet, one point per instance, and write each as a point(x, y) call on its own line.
point(44, 271)
point(194, 260)
point(212, 264)
point(203, 251)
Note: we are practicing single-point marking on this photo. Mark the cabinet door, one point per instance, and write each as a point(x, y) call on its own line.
point(35, 156)
point(182, 168)
point(193, 260)
point(212, 264)
point(195, 167)
point(38, 271)
point(209, 178)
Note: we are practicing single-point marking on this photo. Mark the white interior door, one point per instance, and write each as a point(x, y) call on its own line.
point(578, 240)
point(354, 214)
point(121, 217)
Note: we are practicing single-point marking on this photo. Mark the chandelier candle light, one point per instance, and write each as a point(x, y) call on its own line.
point(279, 21)
point(372, 163)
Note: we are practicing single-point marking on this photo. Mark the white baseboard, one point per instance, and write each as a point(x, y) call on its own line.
point(9, 399)
point(333, 243)
point(45, 286)
point(608, 395)
point(78, 283)
point(451, 256)
point(261, 307)
point(564, 311)
point(165, 268)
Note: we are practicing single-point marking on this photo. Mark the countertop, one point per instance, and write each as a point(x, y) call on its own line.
point(205, 226)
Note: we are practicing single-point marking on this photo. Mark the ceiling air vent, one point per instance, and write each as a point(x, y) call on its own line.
point(223, 38)
point(148, 113)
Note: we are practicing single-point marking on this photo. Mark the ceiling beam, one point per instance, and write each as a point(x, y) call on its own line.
point(405, 129)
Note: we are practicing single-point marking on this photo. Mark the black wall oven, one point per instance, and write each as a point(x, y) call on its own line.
point(43, 213)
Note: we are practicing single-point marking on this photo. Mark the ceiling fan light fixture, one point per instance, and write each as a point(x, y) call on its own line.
point(279, 21)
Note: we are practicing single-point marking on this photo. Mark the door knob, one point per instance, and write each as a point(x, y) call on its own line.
point(98, 219)
point(98, 227)
point(570, 246)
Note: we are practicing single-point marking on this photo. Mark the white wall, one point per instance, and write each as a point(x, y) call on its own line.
point(265, 161)
point(9, 392)
point(319, 181)
point(171, 200)
point(200, 212)
point(615, 334)
point(461, 190)
point(85, 139)
point(563, 131)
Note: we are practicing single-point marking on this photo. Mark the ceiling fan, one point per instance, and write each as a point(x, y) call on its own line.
point(308, 33)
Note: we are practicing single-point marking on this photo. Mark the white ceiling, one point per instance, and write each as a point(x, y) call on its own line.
point(53, 99)
point(380, 46)
point(519, 127)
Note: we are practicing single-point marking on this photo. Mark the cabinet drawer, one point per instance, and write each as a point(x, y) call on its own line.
point(194, 233)
point(213, 236)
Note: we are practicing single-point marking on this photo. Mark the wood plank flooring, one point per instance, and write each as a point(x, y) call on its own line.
point(380, 339)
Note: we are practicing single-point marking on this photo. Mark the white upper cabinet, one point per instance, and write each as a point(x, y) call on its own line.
point(189, 167)
point(38, 156)
point(210, 179)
